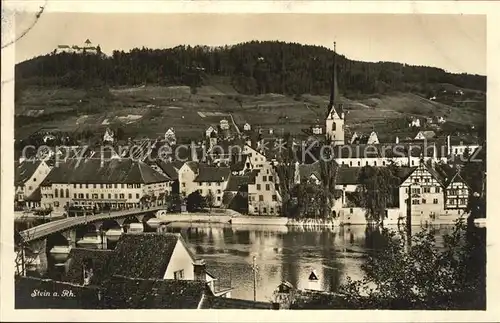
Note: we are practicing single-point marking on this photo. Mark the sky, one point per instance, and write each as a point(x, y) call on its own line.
point(456, 43)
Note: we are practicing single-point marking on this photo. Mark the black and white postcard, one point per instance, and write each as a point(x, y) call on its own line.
point(287, 160)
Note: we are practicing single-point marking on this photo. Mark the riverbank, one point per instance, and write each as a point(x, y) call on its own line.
point(282, 221)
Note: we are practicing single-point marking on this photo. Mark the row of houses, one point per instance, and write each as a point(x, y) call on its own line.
point(248, 175)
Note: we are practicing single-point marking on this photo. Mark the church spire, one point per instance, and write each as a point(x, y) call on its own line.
point(334, 91)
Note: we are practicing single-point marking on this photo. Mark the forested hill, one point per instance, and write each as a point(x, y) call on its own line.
point(252, 68)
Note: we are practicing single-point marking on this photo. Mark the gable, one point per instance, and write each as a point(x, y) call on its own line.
point(181, 259)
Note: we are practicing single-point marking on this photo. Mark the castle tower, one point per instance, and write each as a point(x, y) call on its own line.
point(335, 117)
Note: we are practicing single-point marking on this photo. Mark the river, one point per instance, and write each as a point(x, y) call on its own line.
point(282, 253)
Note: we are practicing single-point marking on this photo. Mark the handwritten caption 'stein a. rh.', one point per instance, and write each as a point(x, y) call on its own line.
point(42, 293)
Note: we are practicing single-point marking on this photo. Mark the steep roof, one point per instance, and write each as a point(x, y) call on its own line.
point(236, 182)
point(136, 293)
point(122, 171)
point(307, 170)
point(23, 171)
point(350, 175)
point(193, 165)
point(169, 169)
point(213, 174)
point(137, 255)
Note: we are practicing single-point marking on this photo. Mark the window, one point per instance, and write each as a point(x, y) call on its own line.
point(218, 191)
point(74, 185)
point(423, 201)
point(179, 274)
point(435, 201)
point(334, 126)
point(101, 185)
point(116, 196)
point(74, 196)
point(264, 210)
point(137, 195)
point(261, 198)
point(102, 196)
point(109, 196)
point(67, 193)
point(94, 185)
point(427, 189)
point(183, 184)
point(415, 202)
point(451, 201)
point(413, 163)
point(375, 163)
point(426, 180)
point(268, 187)
point(258, 186)
point(264, 178)
point(218, 198)
point(359, 163)
point(462, 201)
point(30, 188)
point(122, 185)
point(86, 185)
point(275, 198)
point(87, 195)
point(256, 210)
point(122, 196)
point(366, 163)
point(81, 186)
point(34, 179)
point(56, 203)
point(416, 180)
point(350, 163)
point(116, 185)
point(271, 211)
point(130, 195)
point(383, 163)
point(415, 190)
point(437, 189)
point(56, 192)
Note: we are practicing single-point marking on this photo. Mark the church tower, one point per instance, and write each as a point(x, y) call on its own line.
point(335, 113)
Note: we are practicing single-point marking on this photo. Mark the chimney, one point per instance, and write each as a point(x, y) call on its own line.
point(397, 139)
point(200, 270)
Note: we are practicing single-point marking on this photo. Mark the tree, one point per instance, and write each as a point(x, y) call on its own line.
point(210, 200)
point(195, 202)
point(420, 275)
point(285, 171)
point(377, 191)
point(423, 276)
point(309, 198)
point(328, 174)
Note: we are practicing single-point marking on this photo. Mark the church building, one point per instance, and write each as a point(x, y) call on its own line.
point(335, 117)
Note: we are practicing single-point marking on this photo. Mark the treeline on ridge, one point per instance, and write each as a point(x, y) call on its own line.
point(253, 68)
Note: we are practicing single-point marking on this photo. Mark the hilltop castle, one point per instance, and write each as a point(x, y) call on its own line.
point(87, 48)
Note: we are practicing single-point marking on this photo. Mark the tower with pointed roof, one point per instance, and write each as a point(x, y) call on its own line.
point(335, 115)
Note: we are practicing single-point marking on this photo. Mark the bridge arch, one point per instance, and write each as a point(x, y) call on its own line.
point(110, 224)
point(130, 219)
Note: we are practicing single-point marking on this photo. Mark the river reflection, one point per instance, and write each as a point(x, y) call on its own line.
point(282, 253)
